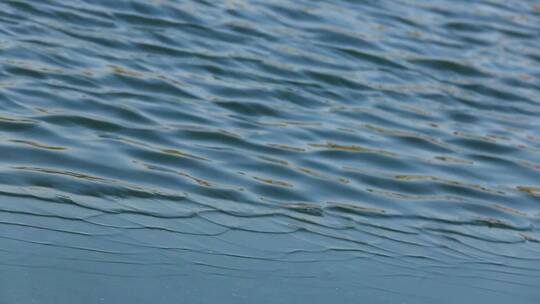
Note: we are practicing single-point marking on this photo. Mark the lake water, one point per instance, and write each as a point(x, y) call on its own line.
point(269, 151)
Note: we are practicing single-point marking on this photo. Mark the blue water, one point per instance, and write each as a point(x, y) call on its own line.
point(269, 151)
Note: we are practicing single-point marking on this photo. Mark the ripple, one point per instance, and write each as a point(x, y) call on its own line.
point(305, 146)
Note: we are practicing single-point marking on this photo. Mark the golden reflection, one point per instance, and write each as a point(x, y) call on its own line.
point(401, 133)
point(453, 160)
point(182, 154)
point(287, 147)
point(446, 181)
point(37, 145)
point(273, 181)
point(34, 66)
point(16, 120)
point(534, 191)
point(354, 208)
point(199, 181)
point(274, 160)
point(352, 148)
point(60, 172)
point(125, 71)
point(510, 210)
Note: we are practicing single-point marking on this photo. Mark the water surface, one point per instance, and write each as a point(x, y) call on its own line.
point(269, 151)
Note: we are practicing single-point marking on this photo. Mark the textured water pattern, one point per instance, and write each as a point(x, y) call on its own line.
point(269, 151)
